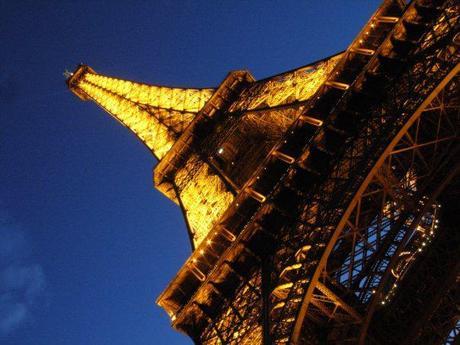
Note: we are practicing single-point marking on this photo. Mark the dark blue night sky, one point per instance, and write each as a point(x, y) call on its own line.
point(86, 243)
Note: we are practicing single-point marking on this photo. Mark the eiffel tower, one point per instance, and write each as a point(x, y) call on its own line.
point(321, 203)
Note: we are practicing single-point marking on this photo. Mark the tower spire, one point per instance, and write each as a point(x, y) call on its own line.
point(156, 114)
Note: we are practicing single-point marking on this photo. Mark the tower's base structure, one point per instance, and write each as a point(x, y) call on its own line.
point(322, 204)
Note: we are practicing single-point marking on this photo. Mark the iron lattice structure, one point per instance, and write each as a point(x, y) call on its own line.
point(321, 203)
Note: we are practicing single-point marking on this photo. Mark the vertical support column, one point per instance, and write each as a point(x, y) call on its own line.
point(266, 282)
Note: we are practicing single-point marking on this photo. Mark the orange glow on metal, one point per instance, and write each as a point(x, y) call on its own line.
point(286, 88)
point(204, 196)
point(190, 100)
point(157, 115)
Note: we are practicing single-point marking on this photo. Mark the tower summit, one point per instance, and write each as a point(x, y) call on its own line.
point(320, 202)
point(156, 115)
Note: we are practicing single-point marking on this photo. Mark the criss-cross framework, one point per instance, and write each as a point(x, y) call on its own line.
point(381, 221)
point(396, 217)
point(383, 212)
point(395, 193)
point(156, 114)
point(318, 201)
point(240, 324)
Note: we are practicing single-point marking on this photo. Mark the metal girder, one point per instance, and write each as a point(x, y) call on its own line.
point(327, 296)
point(239, 316)
point(362, 143)
point(430, 60)
point(426, 213)
point(367, 151)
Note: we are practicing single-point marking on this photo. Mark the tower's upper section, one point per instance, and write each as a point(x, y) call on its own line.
point(157, 115)
point(210, 142)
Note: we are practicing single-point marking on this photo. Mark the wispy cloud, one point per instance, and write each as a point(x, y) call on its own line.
point(12, 314)
point(22, 282)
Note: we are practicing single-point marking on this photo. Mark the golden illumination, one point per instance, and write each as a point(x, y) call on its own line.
point(140, 121)
point(189, 100)
point(253, 337)
point(286, 88)
point(157, 115)
point(204, 196)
